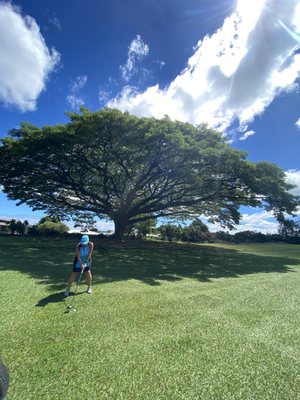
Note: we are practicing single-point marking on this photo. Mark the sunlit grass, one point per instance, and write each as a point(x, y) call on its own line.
point(165, 321)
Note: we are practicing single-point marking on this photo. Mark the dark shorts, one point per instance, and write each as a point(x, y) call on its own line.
point(79, 269)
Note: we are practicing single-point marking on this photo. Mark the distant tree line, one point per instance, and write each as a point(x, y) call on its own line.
point(47, 226)
point(198, 232)
point(254, 237)
point(18, 227)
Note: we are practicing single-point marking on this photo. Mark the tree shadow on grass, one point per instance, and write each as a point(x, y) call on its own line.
point(49, 261)
point(154, 263)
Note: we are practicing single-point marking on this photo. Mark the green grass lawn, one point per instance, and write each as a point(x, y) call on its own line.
point(165, 321)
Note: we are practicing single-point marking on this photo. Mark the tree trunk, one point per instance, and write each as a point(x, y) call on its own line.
point(120, 227)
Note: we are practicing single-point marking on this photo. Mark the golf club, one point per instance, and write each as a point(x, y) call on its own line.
point(4, 380)
point(71, 306)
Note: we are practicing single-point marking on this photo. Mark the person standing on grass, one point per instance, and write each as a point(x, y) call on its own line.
point(82, 263)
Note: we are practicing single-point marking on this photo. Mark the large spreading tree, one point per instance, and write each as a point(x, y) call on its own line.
point(115, 165)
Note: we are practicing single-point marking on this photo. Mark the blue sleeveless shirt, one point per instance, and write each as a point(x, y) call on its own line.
point(84, 252)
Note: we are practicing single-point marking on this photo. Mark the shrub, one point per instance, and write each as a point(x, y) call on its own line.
point(49, 228)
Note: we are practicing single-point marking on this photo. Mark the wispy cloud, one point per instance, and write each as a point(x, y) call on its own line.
point(160, 63)
point(104, 95)
point(234, 74)
point(298, 123)
point(28, 62)
point(136, 52)
point(55, 22)
point(247, 134)
point(74, 98)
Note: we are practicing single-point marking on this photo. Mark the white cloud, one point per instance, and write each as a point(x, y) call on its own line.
point(136, 52)
point(263, 222)
point(296, 20)
point(293, 177)
point(247, 134)
point(74, 98)
point(233, 74)
point(298, 123)
point(25, 62)
point(259, 222)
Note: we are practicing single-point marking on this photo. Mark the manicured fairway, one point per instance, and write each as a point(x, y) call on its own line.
point(165, 321)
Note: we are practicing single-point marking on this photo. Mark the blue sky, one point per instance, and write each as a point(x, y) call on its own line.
point(232, 64)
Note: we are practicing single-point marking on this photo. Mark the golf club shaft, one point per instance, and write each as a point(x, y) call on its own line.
point(81, 272)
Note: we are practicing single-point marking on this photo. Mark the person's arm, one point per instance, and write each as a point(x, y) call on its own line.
point(79, 257)
point(91, 250)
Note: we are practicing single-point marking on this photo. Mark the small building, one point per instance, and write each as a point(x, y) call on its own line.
point(4, 226)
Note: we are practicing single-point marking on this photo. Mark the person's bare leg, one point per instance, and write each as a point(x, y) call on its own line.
point(89, 279)
point(71, 280)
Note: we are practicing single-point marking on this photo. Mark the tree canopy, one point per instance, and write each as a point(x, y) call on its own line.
point(115, 165)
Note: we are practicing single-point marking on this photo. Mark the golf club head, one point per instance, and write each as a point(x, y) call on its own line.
point(69, 309)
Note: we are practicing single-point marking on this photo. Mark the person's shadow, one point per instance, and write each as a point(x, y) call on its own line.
point(55, 298)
